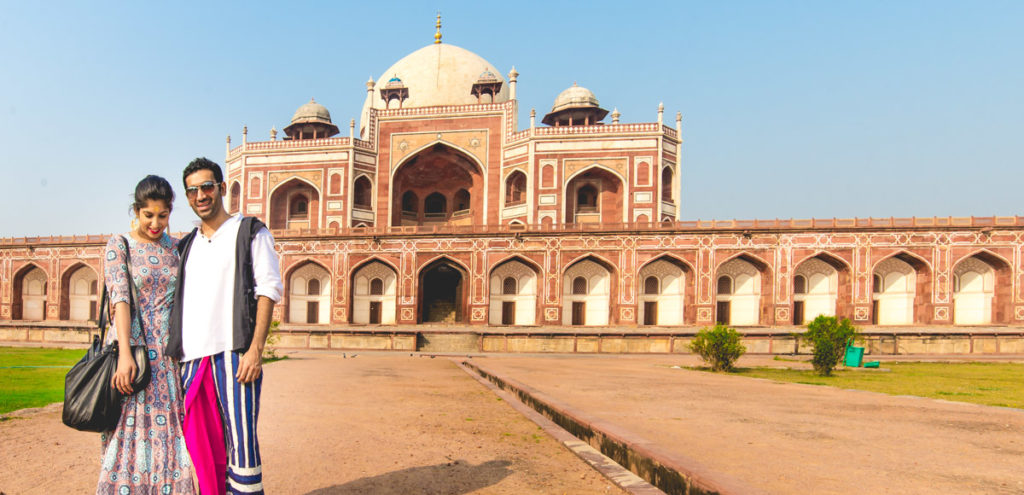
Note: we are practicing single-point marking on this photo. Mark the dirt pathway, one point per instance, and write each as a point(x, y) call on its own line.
point(374, 424)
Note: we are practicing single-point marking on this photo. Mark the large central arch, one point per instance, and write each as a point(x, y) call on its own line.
point(439, 185)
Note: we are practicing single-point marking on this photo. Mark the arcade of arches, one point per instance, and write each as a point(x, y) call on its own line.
point(463, 285)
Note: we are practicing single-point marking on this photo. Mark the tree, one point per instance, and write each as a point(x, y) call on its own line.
point(828, 337)
point(719, 346)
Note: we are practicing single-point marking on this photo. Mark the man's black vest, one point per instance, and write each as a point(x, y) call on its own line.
point(244, 306)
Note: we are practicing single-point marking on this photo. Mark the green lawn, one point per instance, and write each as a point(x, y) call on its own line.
point(990, 384)
point(33, 386)
point(34, 377)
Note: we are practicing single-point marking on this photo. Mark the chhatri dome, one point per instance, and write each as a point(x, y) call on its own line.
point(311, 120)
point(575, 106)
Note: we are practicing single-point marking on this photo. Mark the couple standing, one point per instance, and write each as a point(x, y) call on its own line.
point(206, 303)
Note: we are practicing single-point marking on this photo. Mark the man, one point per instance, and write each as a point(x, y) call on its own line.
point(228, 283)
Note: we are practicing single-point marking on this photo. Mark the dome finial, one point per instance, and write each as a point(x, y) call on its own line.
point(437, 35)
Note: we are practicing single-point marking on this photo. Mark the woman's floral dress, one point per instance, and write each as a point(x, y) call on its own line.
point(146, 453)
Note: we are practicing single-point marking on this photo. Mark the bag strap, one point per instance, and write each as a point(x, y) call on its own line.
point(132, 290)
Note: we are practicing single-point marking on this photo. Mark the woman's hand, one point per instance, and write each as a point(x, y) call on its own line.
point(125, 374)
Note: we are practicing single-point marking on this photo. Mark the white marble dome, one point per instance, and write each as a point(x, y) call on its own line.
point(575, 97)
point(439, 74)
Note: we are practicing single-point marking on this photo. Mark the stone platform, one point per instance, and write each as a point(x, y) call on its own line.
point(879, 341)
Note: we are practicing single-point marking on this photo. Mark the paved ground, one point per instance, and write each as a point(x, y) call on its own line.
point(395, 424)
point(786, 438)
point(381, 423)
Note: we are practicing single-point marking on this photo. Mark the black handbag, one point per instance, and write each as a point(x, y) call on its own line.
point(90, 402)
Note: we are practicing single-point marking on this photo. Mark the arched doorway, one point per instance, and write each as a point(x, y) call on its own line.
point(309, 295)
point(79, 290)
point(973, 292)
point(662, 292)
point(30, 289)
point(594, 196)
point(295, 205)
point(586, 294)
point(443, 289)
point(374, 289)
point(739, 291)
point(450, 183)
point(894, 292)
point(513, 298)
point(815, 291)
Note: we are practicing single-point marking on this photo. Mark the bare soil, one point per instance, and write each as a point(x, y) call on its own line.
point(373, 424)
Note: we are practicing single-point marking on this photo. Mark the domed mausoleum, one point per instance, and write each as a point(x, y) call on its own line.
point(442, 208)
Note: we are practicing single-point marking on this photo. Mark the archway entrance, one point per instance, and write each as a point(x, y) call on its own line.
point(442, 289)
point(438, 186)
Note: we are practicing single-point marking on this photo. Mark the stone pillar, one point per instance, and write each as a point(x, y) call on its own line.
point(704, 285)
point(407, 286)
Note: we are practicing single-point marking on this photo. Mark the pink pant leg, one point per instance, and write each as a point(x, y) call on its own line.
point(204, 432)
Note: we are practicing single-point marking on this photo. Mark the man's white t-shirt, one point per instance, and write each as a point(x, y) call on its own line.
point(207, 315)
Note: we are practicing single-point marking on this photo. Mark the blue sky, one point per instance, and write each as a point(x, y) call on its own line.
point(790, 109)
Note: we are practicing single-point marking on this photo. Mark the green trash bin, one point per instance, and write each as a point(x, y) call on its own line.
point(854, 356)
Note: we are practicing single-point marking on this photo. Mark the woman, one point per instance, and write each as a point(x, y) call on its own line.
point(146, 452)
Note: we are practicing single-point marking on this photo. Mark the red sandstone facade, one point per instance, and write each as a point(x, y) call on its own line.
point(448, 213)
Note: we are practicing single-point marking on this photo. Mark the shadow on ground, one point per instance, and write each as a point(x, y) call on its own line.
point(448, 479)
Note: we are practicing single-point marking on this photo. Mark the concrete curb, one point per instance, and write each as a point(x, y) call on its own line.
point(620, 476)
point(673, 473)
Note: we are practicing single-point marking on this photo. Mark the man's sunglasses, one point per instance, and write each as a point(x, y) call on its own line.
point(208, 187)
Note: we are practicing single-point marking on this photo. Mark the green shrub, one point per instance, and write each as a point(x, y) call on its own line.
point(719, 346)
point(828, 337)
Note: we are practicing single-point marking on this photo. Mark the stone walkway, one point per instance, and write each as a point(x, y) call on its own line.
point(783, 438)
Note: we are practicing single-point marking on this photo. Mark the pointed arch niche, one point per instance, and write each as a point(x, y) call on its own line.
point(295, 204)
point(900, 291)
point(449, 182)
point(30, 289)
point(821, 286)
point(79, 289)
point(981, 290)
point(587, 293)
point(513, 294)
point(665, 289)
point(743, 285)
point(594, 196)
point(443, 291)
point(309, 294)
point(374, 290)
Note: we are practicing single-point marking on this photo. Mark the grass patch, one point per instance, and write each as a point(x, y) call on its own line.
point(33, 386)
point(990, 384)
point(34, 376)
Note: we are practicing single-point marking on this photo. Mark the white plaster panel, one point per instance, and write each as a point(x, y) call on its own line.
point(642, 197)
point(597, 145)
point(514, 152)
point(297, 157)
point(547, 199)
point(513, 211)
point(335, 205)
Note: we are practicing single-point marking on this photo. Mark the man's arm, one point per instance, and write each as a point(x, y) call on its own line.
point(267, 272)
point(250, 365)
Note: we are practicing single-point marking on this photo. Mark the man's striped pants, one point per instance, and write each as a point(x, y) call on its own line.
point(212, 392)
